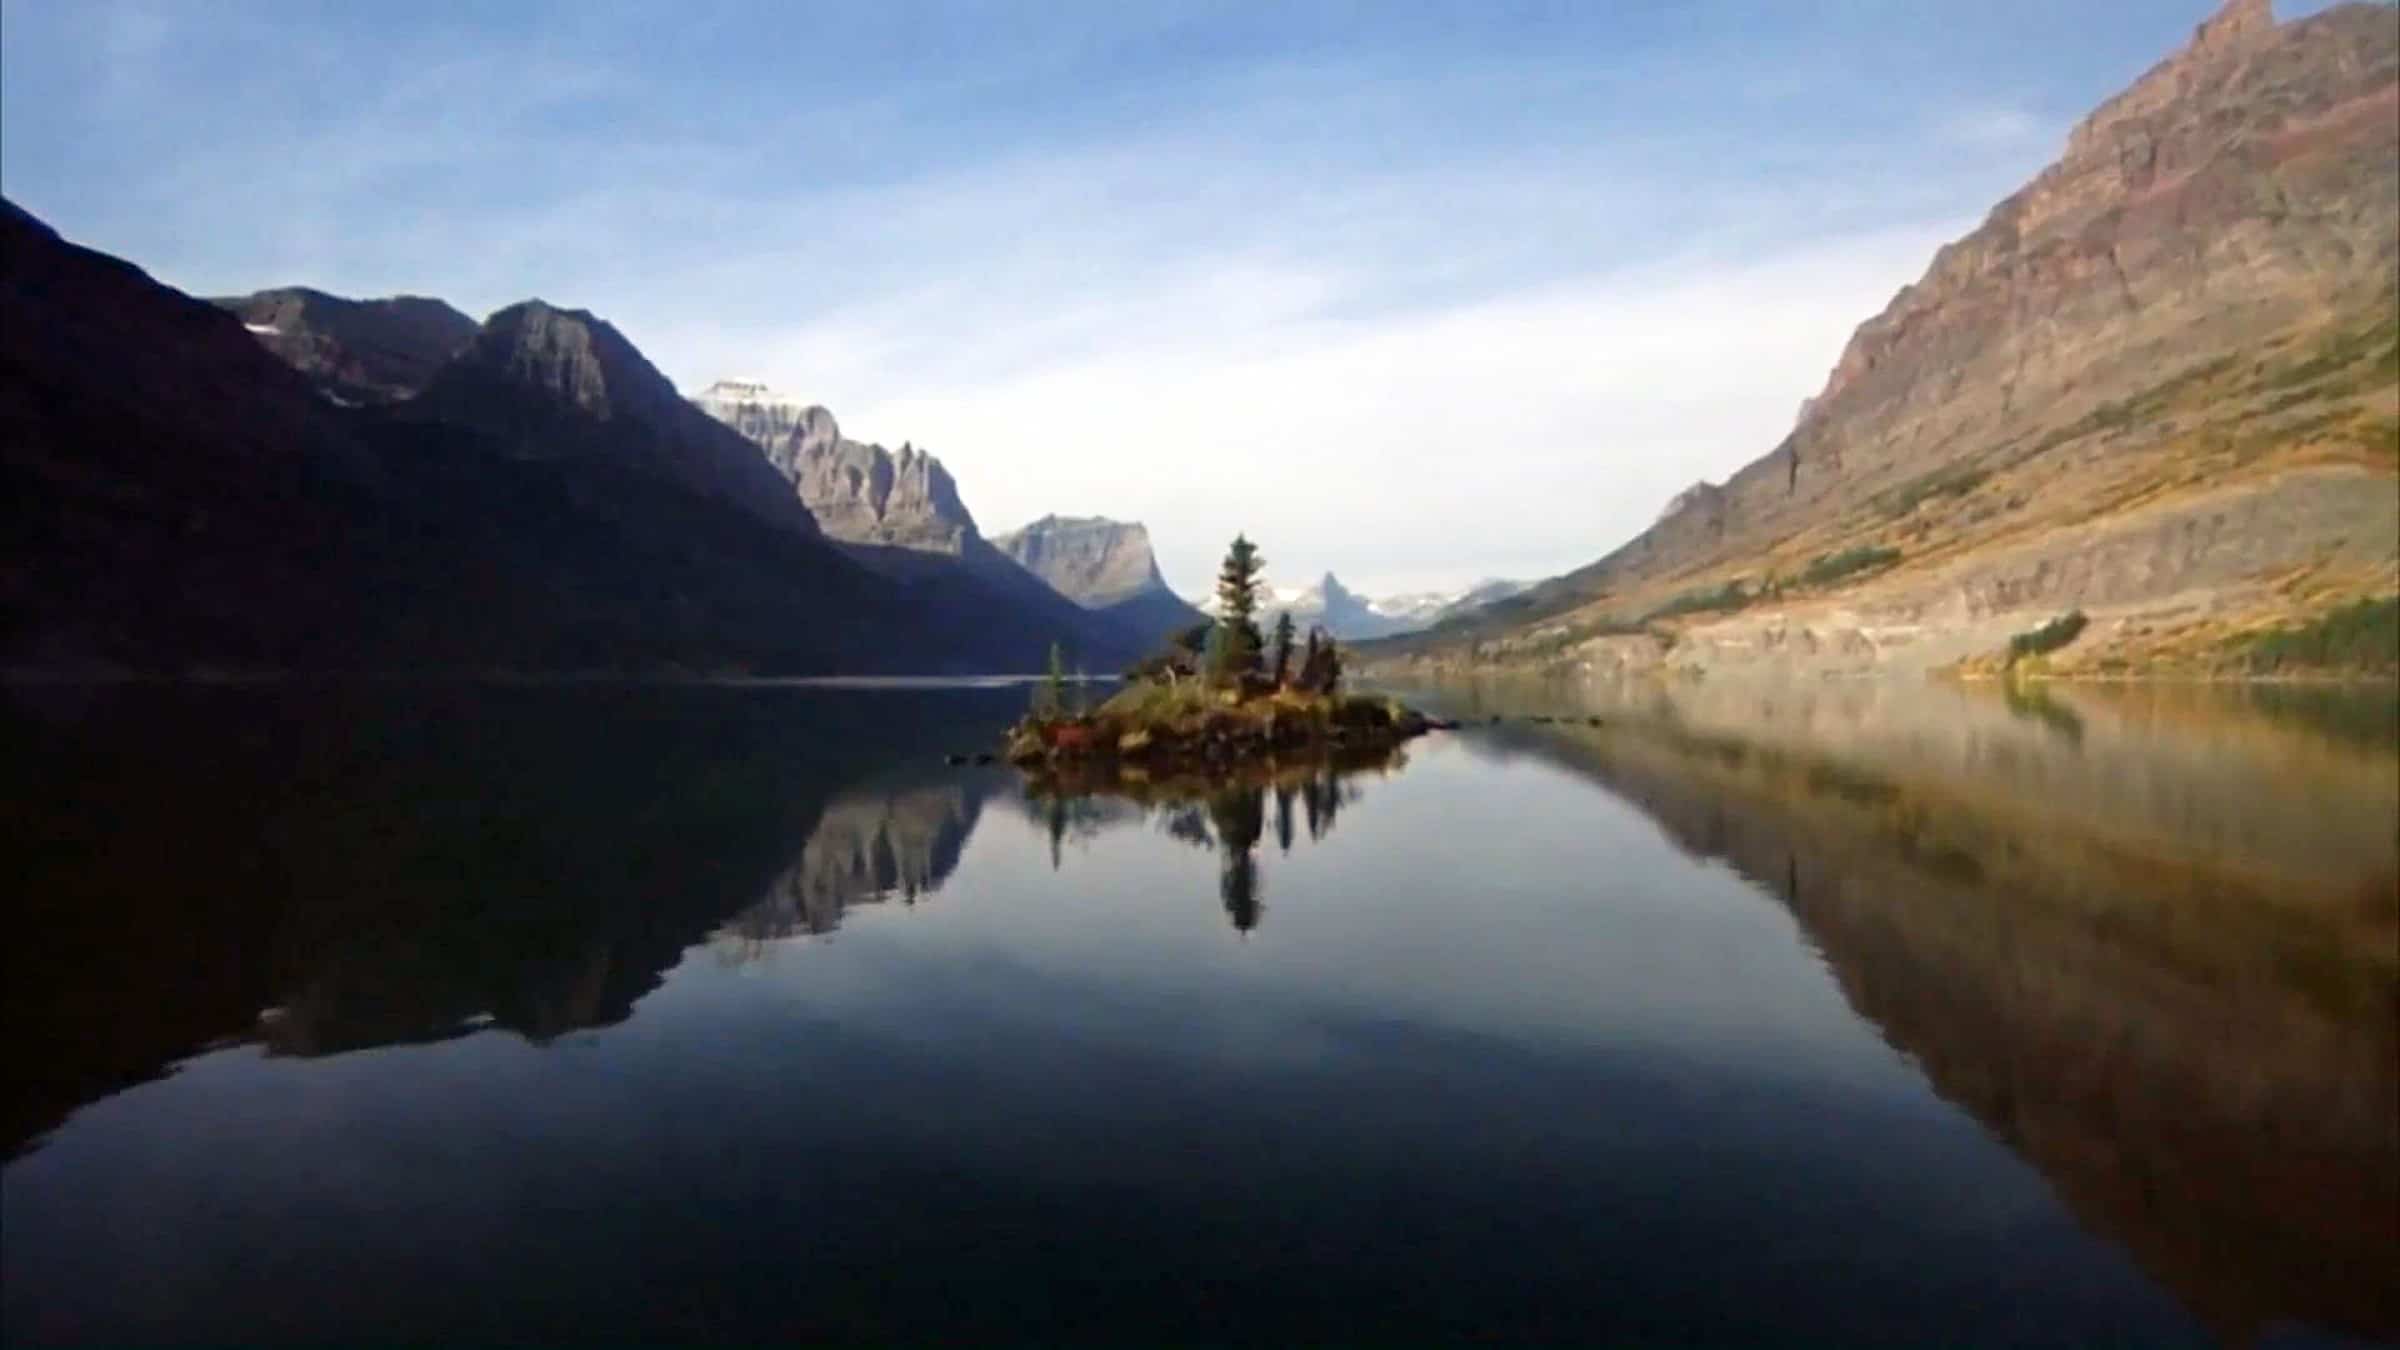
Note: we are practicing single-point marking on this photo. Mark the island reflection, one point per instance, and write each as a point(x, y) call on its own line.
point(1225, 809)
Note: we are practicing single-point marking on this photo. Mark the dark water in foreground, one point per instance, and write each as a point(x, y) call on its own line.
point(1840, 1015)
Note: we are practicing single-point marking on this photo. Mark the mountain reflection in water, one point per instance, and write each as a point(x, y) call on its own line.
point(2149, 939)
point(2149, 935)
point(362, 866)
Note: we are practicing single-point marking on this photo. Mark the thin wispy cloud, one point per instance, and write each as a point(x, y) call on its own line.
point(1449, 293)
point(2001, 127)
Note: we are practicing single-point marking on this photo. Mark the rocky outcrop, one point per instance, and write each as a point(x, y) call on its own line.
point(775, 424)
point(355, 351)
point(859, 493)
point(900, 498)
point(1105, 566)
point(2195, 299)
point(900, 513)
point(1092, 561)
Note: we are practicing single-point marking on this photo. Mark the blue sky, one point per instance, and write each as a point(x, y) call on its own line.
point(1415, 293)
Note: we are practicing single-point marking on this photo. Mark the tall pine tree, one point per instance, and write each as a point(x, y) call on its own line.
point(1283, 648)
point(1238, 642)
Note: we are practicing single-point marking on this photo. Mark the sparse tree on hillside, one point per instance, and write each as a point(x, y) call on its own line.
point(1239, 644)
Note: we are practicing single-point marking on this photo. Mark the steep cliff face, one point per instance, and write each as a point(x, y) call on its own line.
point(355, 351)
point(859, 493)
point(1092, 561)
point(2187, 322)
point(1105, 566)
point(777, 425)
point(900, 513)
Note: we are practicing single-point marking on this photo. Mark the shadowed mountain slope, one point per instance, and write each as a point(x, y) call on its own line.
point(179, 499)
point(357, 351)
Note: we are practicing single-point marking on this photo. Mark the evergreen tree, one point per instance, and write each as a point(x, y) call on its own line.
point(1050, 696)
point(1239, 644)
point(1283, 648)
point(1321, 670)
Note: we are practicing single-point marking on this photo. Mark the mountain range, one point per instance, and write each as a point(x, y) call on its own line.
point(900, 513)
point(2158, 387)
point(292, 481)
point(1353, 617)
point(2147, 414)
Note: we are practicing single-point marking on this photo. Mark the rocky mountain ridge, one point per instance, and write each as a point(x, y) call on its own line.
point(2183, 330)
point(547, 502)
point(900, 512)
point(1328, 603)
point(860, 493)
point(356, 351)
point(1356, 617)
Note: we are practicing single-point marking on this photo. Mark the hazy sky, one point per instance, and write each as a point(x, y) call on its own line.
point(1416, 293)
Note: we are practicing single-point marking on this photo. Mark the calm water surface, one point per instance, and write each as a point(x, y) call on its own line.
point(1839, 1015)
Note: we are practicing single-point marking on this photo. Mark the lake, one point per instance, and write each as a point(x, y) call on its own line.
point(1839, 1014)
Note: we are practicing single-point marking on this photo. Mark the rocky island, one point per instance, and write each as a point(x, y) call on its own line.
point(1221, 694)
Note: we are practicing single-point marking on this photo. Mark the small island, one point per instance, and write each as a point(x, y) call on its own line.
point(1219, 695)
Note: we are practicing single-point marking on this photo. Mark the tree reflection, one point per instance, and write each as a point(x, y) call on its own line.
point(1222, 810)
point(1239, 814)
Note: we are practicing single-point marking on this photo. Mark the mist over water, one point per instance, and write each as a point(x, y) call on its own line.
point(1846, 1013)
